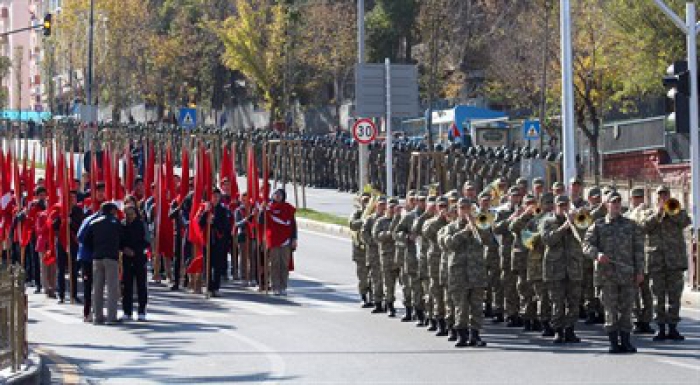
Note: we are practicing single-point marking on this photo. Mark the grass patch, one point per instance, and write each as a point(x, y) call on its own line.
point(322, 217)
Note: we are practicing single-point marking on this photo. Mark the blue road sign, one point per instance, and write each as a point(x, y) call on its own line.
point(531, 130)
point(188, 118)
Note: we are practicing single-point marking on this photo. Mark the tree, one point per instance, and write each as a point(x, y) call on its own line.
point(253, 39)
point(390, 28)
point(5, 65)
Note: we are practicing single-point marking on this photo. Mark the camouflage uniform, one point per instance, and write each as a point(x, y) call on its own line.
point(529, 271)
point(646, 301)
point(430, 233)
point(562, 272)
point(494, 289)
point(445, 256)
point(589, 293)
point(667, 259)
point(467, 277)
point(511, 301)
point(359, 254)
point(519, 266)
point(387, 251)
point(406, 245)
point(373, 261)
point(423, 278)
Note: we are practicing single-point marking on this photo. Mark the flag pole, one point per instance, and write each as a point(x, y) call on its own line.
point(209, 220)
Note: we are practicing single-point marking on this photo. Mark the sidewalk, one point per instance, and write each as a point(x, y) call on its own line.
point(28, 374)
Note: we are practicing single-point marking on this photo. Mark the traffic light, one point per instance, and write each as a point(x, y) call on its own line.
point(47, 25)
point(678, 103)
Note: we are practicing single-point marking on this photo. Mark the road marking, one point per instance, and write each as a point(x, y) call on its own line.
point(68, 372)
point(334, 237)
point(327, 306)
point(680, 364)
point(257, 308)
point(58, 317)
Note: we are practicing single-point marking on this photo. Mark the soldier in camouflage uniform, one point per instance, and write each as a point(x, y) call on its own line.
point(407, 254)
point(576, 193)
point(505, 216)
point(373, 260)
point(382, 233)
point(667, 260)
point(520, 262)
point(592, 307)
point(445, 256)
point(467, 273)
point(562, 269)
point(494, 289)
point(437, 291)
point(359, 252)
point(535, 265)
point(538, 187)
point(425, 301)
point(644, 302)
point(616, 244)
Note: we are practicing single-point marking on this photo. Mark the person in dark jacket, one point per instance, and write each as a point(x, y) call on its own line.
point(219, 217)
point(104, 237)
point(134, 263)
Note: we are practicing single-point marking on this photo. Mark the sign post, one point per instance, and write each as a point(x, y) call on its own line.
point(389, 136)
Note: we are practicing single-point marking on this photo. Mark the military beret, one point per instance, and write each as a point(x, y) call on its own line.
point(514, 191)
point(366, 194)
point(443, 201)
point(521, 181)
point(558, 185)
point(484, 195)
point(663, 189)
point(464, 201)
point(547, 197)
point(575, 180)
point(594, 192)
point(638, 192)
point(393, 202)
point(412, 193)
point(453, 194)
point(382, 199)
point(538, 181)
point(432, 199)
point(613, 196)
point(469, 185)
point(500, 180)
point(608, 189)
point(529, 199)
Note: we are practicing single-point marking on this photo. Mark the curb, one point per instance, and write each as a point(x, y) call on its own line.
point(30, 372)
point(337, 230)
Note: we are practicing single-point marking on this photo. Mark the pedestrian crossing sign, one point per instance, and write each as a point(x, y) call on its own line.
point(531, 130)
point(188, 118)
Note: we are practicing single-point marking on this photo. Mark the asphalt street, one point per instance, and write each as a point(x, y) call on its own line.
point(320, 335)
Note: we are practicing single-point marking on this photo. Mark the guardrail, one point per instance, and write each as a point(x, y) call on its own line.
point(13, 317)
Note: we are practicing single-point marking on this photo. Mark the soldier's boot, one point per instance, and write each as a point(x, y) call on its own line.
point(615, 347)
point(661, 334)
point(408, 317)
point(475, 339)
point(378, 308)
point(463, 340)
point(366, 303)
point(392, 310)
point(442, 328)
point(488, 310)
point(673, 333)
point(527, 325)
point(420, 316)
point(570, 335)
point(559, 338)
point(514, 321)
point(547, 330)
point(591, 318)
point(600, 318)
point(498, 318)
point(433, 325)
point(625, 343)
point(536, 326)
point(643, 328)
point(453, 335)
point(582, 312)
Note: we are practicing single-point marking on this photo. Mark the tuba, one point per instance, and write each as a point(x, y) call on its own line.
point(672, 207)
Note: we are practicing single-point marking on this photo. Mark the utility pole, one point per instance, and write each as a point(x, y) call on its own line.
point(92, 114)
point(545, 60)
point(362, 148)
point(567, 78)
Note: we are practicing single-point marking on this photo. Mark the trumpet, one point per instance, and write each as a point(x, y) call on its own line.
point(484, 221)
point(528, 238)
point(672, 207)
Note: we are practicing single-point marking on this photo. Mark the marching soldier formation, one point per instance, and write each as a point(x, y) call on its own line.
point(535, 259)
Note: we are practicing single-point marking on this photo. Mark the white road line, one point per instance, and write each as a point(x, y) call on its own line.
point(680, 364)
point(257, 308)
point(334, 237)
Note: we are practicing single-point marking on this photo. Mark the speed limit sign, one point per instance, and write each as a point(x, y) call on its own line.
point(364, 131)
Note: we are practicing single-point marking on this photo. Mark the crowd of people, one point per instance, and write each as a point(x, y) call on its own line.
point(535, 258)
point(111, 244)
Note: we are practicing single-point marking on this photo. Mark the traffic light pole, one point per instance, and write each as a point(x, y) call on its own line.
point(690, 28)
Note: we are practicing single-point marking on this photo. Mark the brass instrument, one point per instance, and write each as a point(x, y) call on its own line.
point(528, 238)
point(582, 219)
point(433, 189)
point(672, 207)
point(484, 221)
point(371, 206)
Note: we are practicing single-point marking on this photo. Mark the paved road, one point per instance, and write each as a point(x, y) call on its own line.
point(319, 334)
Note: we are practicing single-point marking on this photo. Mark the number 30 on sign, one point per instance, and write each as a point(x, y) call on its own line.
point(364, 131)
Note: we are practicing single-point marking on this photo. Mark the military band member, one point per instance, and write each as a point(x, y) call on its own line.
point(359, 253)
point(667, 260)
point(406, 244)
point(644, 302)
point(469, 190)
point(591, 309)
point(523, 185)
point(425, 300)
point(387, 254)
point(445, 256)
point(562, 273)
point(576, 193)
point(538, 187)
point(558, 188)
point(494, 290)
point(616, 244)
point(373, 260)
point(430, 233)
point(519, 264)
point(506, 214)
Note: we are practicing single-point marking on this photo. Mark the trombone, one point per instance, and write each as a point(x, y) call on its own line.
point(529, 238)
point(484, 221)
point(672, 207)
point(582, 219)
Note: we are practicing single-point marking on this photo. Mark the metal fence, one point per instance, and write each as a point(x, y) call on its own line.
point(13, 317)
